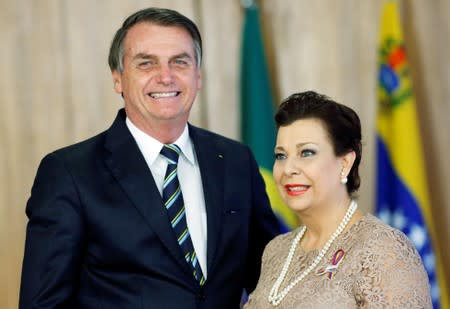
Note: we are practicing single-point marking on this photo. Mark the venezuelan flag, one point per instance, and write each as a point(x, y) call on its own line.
point(257, 123)
point(402, 195)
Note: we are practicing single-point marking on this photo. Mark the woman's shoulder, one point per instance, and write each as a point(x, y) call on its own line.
point(372, 225)
point(381, 237)
point(284, 238)
point(281, 242)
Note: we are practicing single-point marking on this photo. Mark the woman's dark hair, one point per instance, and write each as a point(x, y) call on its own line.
point(340, 121)
point(158, 16)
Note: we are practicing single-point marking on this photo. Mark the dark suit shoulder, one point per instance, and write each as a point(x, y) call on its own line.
point(216, 138)
point(112, 138)
point(86, 145)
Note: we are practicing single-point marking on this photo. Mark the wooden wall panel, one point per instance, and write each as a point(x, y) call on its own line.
point(427, 32)
point(222, 40)
point(56, 88)
point(8, 165)
point(332, 53)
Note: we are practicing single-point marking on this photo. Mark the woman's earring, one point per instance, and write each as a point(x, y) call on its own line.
point(344, 178)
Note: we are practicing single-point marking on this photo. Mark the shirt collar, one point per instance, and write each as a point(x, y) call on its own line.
point(152, 147)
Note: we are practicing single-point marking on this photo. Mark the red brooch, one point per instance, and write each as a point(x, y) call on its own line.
point(333, 264)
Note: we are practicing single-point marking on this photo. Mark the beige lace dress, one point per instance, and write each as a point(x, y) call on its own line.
point(377, 267)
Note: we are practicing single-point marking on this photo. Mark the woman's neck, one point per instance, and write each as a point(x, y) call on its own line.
point(322, 222)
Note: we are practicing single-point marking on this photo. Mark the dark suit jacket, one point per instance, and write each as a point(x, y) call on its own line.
point(98, 235)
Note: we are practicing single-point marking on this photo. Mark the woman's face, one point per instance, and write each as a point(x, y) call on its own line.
point(306, 170)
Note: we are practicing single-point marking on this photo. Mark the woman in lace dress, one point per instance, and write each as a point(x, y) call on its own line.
point(339, 257)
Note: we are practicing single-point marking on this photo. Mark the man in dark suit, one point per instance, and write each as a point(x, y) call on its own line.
point(108, 225)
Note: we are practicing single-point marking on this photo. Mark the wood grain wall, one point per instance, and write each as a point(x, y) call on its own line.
point(56, 89)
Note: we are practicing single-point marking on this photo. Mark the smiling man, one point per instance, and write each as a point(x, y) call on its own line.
point(159, 80)
point(154, 212)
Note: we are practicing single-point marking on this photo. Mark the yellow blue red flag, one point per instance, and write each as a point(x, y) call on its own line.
point(257, 123)
point(402, 194)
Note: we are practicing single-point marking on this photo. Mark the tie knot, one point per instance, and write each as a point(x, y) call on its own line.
point(171, 152)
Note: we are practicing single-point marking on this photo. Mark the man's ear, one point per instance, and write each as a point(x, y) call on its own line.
point(117, 80)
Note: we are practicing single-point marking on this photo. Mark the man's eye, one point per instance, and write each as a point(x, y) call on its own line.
point(145, 64)
point(181, 62)
point(307, 153)
point(279, 156)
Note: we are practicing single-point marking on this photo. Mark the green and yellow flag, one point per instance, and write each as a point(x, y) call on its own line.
point(402, 193)
point(257, 109)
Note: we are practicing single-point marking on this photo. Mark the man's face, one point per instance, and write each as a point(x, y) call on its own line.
point(160, 77)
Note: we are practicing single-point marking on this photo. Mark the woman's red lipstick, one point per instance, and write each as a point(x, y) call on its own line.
point(295, 189)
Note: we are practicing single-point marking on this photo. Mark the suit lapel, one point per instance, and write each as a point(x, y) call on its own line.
point(132, 173)
point(210, 159)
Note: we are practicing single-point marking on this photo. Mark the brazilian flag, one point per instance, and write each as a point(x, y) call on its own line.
point(257, 109)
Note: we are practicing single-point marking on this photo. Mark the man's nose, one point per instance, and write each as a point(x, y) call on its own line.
point(164, 74)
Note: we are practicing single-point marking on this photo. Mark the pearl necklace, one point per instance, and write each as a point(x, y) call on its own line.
point(276, 297)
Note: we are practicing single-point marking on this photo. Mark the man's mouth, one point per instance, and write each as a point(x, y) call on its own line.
point(158, 95)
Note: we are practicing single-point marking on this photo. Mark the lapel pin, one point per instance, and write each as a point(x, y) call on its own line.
point(331, 268)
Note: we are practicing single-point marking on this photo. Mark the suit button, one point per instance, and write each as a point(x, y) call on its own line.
point(202, 295)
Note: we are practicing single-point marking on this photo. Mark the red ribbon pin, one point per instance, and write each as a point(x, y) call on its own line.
point(334, 263)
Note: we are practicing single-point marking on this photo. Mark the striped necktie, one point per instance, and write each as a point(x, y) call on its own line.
point(173, 201)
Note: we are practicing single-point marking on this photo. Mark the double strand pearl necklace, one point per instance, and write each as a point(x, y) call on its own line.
point(276, 297)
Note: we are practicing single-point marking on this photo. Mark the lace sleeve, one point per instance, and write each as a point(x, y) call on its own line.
point(392, 274)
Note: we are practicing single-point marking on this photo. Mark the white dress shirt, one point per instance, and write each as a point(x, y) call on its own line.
point(190, 182)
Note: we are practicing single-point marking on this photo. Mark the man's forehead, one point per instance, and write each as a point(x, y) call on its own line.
point(154, 40)
point(146, 29)
point(143, 55)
